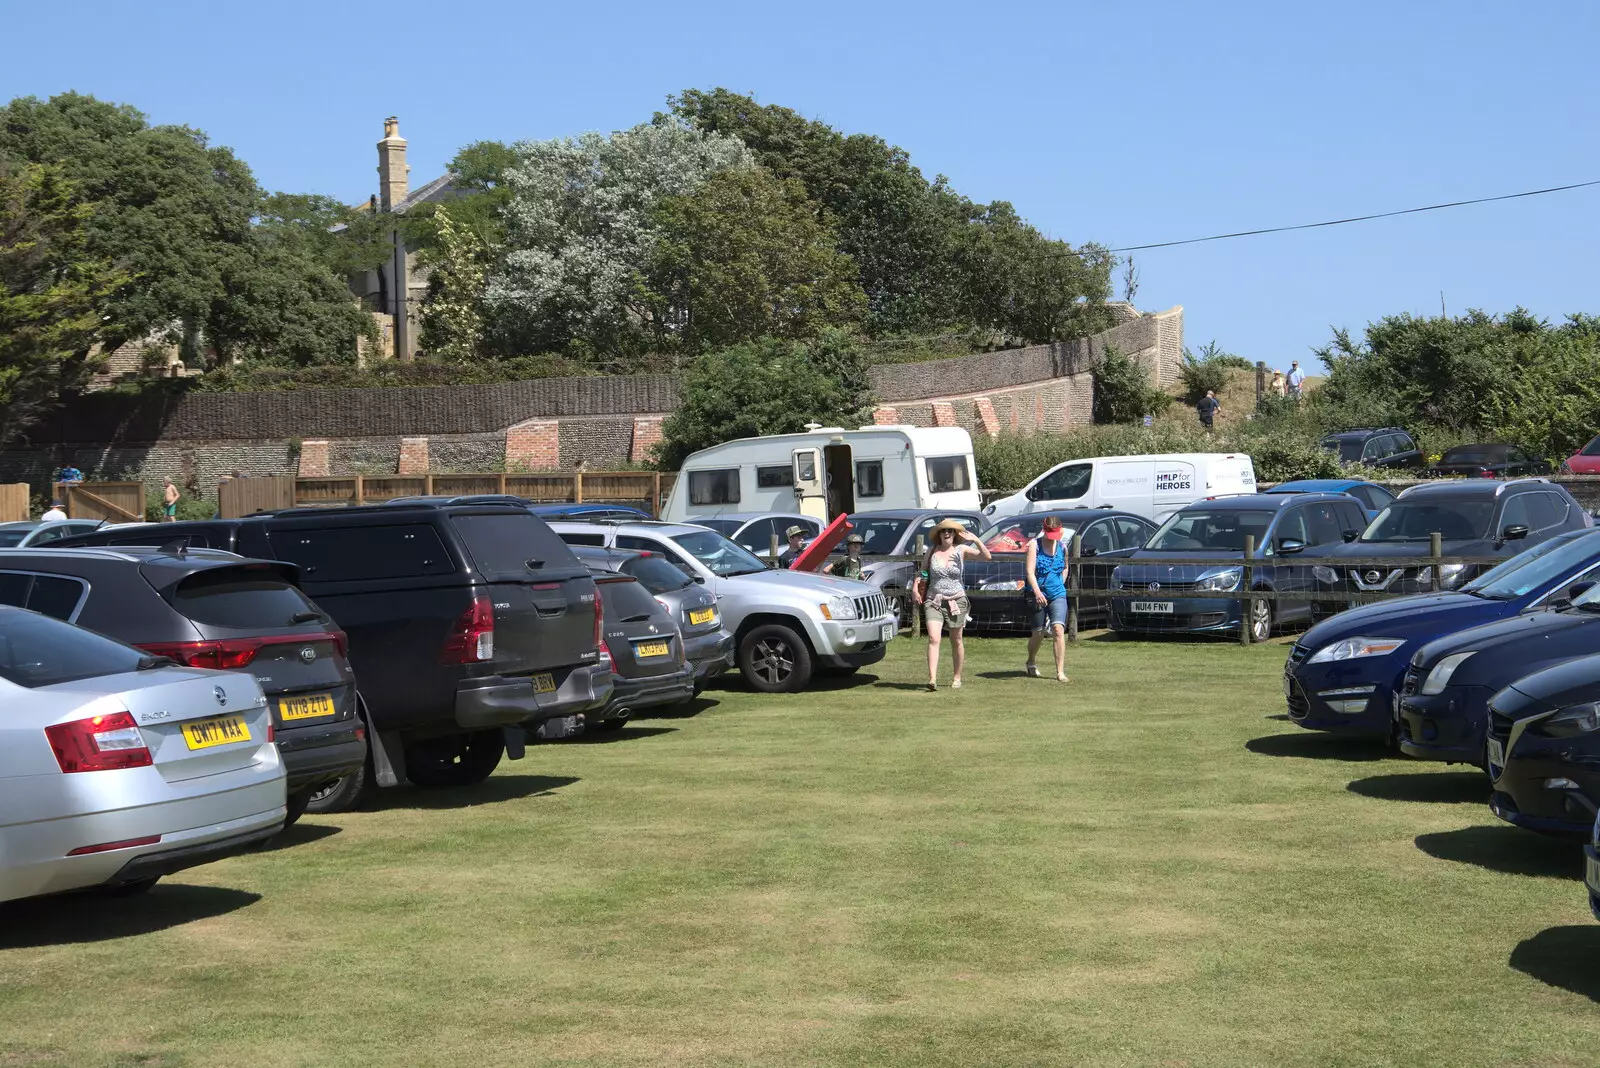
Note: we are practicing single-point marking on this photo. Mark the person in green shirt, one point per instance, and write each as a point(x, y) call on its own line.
point(850, 566)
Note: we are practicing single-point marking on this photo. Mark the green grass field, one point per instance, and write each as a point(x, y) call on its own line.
point(1147, 866)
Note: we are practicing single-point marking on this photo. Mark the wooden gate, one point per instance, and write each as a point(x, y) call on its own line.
point(114, 502)
point(245, 496)
point(13, 502)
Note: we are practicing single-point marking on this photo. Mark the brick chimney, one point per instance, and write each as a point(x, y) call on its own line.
point(392, 170)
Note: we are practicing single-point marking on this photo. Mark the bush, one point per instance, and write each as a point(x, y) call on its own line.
point(422, 372)
point(1209, 371)
point(1122, 391)
point(189, 507)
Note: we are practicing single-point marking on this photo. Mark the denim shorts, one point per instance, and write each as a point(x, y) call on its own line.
point(1052, 613)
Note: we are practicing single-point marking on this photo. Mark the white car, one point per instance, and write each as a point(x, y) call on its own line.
point(117, 768)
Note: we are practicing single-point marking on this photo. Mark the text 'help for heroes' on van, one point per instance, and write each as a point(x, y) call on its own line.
point(1151, 486)
point(827, 472)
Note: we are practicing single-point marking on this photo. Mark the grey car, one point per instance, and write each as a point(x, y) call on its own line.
point(706, 644)
point(646, 652)
point(118, 767)
point(894, 533)
point(754, 531)
point(32, 532)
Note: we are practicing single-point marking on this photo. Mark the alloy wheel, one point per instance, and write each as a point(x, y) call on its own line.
point(1260, 620)
point(774, 661)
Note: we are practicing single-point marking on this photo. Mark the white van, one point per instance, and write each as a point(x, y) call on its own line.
point(827, 472)
point(1151, 486)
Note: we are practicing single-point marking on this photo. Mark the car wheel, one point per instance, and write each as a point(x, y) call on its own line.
point(1260, 620)
point(459, 760)
point(774, 659)
point(344, 794)
point(297, 806)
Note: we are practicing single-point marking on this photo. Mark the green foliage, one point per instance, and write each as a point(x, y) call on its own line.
point(190, 505)
point(422, 372)
point(453, 317)
point(1122, 391)
point(51, 291)
point(1209, 371)
point(765, 387)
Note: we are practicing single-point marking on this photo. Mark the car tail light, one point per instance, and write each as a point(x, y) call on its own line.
point(341, 641)
point(605, 656)
point(126, 843)
point(100, 743)
point(599, 619)
point(471, 638)
point(230, 654)
point(1485, 473)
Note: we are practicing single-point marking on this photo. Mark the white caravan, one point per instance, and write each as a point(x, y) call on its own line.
point(827, 472)
point(1151, 486)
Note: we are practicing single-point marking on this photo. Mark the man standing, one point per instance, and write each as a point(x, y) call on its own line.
point(71, 474)
point(55, 514)
point(1297, 378)
point(169, 496)
point(1208, 407)
point(797, 543)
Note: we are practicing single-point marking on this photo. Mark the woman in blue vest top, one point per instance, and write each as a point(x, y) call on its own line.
point(1046, 574)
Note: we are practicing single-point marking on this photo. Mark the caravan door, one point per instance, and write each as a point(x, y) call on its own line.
point(810, 493)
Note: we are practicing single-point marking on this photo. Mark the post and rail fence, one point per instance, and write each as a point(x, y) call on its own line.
point(244, 496)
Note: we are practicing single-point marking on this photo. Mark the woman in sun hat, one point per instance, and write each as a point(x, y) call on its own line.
point(941, 591)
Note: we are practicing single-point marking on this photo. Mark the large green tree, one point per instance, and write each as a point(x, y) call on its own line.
point(53, 291)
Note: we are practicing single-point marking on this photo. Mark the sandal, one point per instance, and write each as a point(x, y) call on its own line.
point(932, 686)
point(955, 685)
point(1031, 670)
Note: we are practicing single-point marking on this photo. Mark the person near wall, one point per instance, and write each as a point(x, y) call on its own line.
point(54, 514)
point(850, 566)
point(940, 589)
point(169, 498)
point(1045, 572)
point(1207, 409)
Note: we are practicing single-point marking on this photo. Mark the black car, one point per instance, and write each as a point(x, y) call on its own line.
point(1543, 749)
point(1488, 461)
point(644, 649)
point(693, 608)
point(209, 609)
point(1387, 446)
point(1472, 518)
point(997, 589)
point(467, 621)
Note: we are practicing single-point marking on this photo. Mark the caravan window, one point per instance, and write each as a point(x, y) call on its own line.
point(714, 487)
point(947, 474)
point(869, 478)
point(774, 477)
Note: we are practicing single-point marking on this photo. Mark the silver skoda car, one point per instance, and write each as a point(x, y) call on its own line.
point(117, 768)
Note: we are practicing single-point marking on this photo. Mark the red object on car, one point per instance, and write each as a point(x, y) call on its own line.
point(1586, 461)
point(817, 552)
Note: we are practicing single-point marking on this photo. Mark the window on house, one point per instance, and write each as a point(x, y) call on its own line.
point(869, 478)
point(948, 474)
point(714, 487)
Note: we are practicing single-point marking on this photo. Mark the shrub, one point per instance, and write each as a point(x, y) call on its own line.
point(421, 372)
point(1209, 371)
point(1122, 391)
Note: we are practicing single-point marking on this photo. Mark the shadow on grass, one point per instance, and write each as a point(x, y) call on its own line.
point(1439, 788)
point(1282, 717)
point(1565, 957)
point(687, 710)
point(629, 732)
point(1317, 747)
point(920, 687)
point(495, 789)
point(301, 833)
point(1506, 849)
point(101, 917)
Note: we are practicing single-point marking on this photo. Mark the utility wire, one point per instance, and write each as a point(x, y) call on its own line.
point(1356, 218)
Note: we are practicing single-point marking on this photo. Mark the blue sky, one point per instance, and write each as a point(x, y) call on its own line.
point(1122, 125)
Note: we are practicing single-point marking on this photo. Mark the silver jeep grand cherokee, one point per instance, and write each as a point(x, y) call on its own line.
point(786, 624)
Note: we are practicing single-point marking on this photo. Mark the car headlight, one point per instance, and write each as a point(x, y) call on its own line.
point(1450, 574)
point(1439, 677)
point(1573, 721)
point(1351, 648)
point(1222, 581)
point(1002, 584)
point(1324, 573)
point(988, 509)
point(839, 607)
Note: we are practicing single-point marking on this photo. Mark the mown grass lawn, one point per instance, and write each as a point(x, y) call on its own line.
point(1143, 867)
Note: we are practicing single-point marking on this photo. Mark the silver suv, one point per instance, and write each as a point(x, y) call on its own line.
point(786, 624)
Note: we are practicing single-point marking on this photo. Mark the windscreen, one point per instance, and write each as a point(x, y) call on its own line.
point(879, 536)
point(1593, 448)
point(1207, 529)
point(627, 602)
point(36, 651)
point(725, 527)
point(1349, 450)
point(656, 574)
point(1418, 520)
point(719, 555)
point(1545, 562)
point(1012, 535)
point(242, 598)
point(1473, 455)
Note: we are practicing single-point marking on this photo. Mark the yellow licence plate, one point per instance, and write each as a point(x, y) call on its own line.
point(309, 707)
point(651, 649)
point(544, 683)
point(702, 616)
point(221, 730)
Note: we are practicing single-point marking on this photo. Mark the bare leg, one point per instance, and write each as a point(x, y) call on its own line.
point(958, 651)
point(1058, 637)
point(1035, 639)
point(935, 626)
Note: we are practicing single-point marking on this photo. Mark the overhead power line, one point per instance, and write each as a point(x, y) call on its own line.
point(1356, 218)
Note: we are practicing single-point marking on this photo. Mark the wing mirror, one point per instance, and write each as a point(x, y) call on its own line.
point(1576, 590)
point(1290, 546)
point(1514, 532)
point(1089, 550)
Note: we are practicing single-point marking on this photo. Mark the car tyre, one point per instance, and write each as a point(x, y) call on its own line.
point(773, 658)
point(1260, 620)
point(459, 760)
point(297, 806)
point(344, 794)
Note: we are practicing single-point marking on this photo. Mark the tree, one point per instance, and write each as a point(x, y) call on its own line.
point(452, 318)
point(52, 291)
point(744, 256)
point(764, 387)
point(580, 226)
point(1122, 391)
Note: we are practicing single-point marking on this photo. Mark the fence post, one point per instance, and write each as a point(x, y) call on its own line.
point(916, 571)
point(577, 487)
point(361, 490)
point(1435, 550)
point(1247, 604)
point(1261, 380)
point(774, 549)
point(1074, 582)
point(655, 495)
point(502, 483)
point(427, 484)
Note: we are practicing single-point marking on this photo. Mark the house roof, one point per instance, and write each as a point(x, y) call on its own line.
point(440, 188)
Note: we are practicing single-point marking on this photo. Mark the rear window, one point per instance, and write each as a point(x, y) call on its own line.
point(656, 574)
point(242, 599)
point(10, 539)
point(508, 543)
point(627, 601)
point(36, 650)
point(366, 552)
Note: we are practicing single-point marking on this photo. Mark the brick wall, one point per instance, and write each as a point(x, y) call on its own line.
point(534, 445)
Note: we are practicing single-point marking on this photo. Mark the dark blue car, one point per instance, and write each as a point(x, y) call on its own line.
point(1543, 752)
point(1169, 598)
point(1373, 497)
point(1343, 674)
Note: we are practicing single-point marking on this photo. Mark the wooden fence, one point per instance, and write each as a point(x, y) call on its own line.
point(14, 502)
point(113, 502)
point(243, 496)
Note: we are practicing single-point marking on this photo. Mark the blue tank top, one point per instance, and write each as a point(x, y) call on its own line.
point(1048, 568)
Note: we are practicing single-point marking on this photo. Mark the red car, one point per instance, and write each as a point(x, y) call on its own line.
point(1586, 461)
